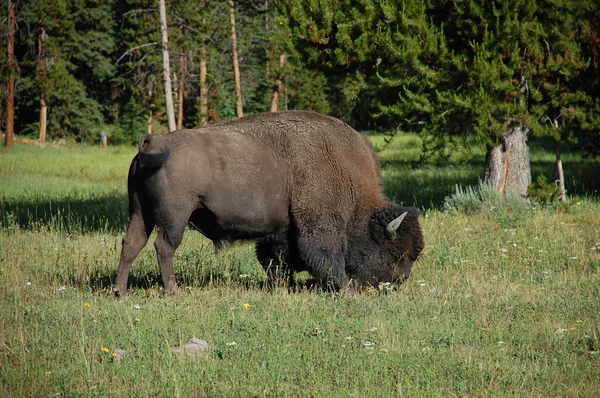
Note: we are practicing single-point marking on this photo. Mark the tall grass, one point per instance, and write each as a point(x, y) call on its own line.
point(78, 189)
point(502, 302)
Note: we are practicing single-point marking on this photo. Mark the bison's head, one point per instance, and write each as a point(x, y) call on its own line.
point(395, 243)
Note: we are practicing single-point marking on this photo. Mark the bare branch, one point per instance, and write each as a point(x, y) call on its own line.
point(134, 49)
point(140, 11)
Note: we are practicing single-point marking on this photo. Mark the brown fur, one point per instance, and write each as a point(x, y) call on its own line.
point(305, 186)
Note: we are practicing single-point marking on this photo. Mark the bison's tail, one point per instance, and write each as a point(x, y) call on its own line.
point(151, 155)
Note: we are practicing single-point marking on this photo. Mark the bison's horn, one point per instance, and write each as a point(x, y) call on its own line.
point(394, 224)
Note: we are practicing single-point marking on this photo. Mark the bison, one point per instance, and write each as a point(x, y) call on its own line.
point(304, 186)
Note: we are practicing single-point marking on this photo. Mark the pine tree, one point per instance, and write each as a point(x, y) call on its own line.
point(10, 97)
point(139, 62)
point(71, 77)
point(461, 73)
point(561, 103)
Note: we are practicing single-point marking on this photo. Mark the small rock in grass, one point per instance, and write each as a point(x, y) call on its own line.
point(196, 348)
point(119, 355)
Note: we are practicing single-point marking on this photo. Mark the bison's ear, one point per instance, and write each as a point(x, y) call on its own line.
point(391, 228)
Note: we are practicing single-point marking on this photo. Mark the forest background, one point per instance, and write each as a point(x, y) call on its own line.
point(506, 296)
point(460, 73)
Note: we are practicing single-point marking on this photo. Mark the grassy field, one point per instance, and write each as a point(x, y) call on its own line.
point(504, 301)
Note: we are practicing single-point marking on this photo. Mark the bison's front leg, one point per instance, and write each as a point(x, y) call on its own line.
point(324, 258)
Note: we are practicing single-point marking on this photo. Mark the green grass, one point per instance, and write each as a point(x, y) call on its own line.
point(426, 184)
point(503, 301)
point(69, 189)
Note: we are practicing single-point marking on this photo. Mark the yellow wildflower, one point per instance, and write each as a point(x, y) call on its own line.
point(114, 354)
point(578, 203)
point(104, 349)
point(87, 305)
point(138, 320)
point(246, 305)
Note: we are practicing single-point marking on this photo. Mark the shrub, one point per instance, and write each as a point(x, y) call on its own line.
point(472, 199)
point(542, 192)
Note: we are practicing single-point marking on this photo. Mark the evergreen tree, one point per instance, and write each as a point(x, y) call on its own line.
point(461, 73)
point(140, 63)
point(78, 66)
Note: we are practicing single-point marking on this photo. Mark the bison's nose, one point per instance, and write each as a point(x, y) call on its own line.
point(401, 272)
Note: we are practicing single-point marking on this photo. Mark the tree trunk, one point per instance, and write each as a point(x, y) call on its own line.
point(203, 88)
point(267, 48)
point(10, 100)
point(149, 121)
point(507, 165)
point(236, 66)
point(181, 87)
point(167, 67)
point(561, 176)
point(150, 107)
point(43, 118)
point(42, 72)
point(278, 88)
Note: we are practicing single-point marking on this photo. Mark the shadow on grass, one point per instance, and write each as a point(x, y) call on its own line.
point(70, 214)
point(102, 282)
point(424, 193)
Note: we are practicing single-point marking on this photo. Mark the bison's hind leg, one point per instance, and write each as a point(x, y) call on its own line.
point(134, 240)
point(171, 226)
